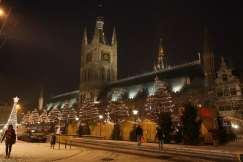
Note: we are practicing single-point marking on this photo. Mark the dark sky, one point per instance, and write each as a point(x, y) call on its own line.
point(44, 38)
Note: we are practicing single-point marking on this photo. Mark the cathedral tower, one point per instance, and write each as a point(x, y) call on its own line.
point(161, 62)
point(98, 61)
point(208, 62)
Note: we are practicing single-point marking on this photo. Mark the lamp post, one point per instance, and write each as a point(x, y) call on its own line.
point(135, 113)
point(100, 118)
point(4, 16)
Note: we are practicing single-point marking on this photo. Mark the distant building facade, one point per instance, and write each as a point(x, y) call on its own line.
point(194, 81)
point(228, 89)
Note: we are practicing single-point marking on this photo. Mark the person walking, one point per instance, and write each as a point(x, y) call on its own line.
point(53, 141)
point(160, 135)
point(10, 139)
point(139, 134)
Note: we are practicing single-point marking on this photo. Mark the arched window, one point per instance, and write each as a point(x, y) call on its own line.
point(89, 57)
point(108, 75)
point(102, 74)
point(88, 75)
point(105, 56)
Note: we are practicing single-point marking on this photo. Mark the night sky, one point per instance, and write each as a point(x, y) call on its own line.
point(44, 39)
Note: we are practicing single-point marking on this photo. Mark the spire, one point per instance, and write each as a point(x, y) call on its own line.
point(99, 36)
point(114, 39)
point(85, 38)
point(223, 64)
point(161, 59)
point(207, 50)
point(161, 50)
point(41, 99)
point(208, 61)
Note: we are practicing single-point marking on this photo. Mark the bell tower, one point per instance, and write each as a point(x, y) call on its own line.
point(98, 61)
point(208, 62)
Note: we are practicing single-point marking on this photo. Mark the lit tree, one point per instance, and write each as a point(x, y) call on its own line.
point(35, 117)
point(72, 114)
point(160, 102)
point(65, 112)
point(118, 111)
point(54, 115)
point(160, 108)
point(26, 118)
point(89, 111)
point(44, 117)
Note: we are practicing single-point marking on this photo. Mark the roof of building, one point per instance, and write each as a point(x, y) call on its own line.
point(192, 69)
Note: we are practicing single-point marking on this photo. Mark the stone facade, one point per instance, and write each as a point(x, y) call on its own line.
point(98, 62)
point(228, 89)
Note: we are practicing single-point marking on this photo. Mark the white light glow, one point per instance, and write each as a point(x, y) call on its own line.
point(151, 90)
point(135, 112)
point(133, 91)
point(132, 94)
point(1, 130)
point(100, 116)
point(2, 13)
point(177, 88)
point(235, 126)
point(114, 97)
point(76, 118)
point(178, 84)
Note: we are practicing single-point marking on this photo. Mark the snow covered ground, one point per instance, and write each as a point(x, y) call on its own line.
point(41, 152)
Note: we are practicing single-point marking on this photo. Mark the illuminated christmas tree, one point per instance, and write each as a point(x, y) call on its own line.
point(89, 111)
point(65, 112)
point(44, 117)
point(160, 102)
point(54, 115)
point(35, 117)
point(118, 111)
point(26, 118)
point(72, 114)
point(13, 115)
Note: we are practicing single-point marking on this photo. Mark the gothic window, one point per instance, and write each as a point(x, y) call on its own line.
point(102, 74)
point(108, 75)
point(89, 75)
point(83, 75)
point(105, 57)
point(233, 91)
point(89, 57)
point(226, 92)
point(225, 78)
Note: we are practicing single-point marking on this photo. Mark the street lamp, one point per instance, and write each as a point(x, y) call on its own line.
point(2, 12)
point(235, 126)
point(135, 113)
point(100, 118)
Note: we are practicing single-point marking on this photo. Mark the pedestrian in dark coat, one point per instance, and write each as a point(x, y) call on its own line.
point(139, 134)
point(161, 137)
point(10, 139)
point(53, 141)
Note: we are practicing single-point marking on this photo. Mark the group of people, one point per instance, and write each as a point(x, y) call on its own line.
point(160, 136)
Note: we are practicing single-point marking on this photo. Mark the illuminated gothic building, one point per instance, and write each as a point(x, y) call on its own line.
point(98, 72)
point(98, 62)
